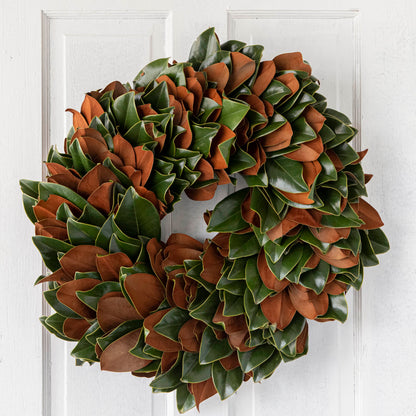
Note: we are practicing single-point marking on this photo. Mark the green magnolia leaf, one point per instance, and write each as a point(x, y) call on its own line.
point(275, 92)
point(348, 218)
point(205, 45)
point(238, 269)
point(294, 275)
point(240, 160)
point(255, 316)
point(192, 370)
point(328, 173)
point(30, 188)
point(367, 255)
point(92, 296)
point(137, 216)
point(80, 233)
point(91, 215)
point(48, 188)
point(184, 399)
point(352, 243)
point(176, 74)
point(302, 131)
point(134, 251)
point(213, 349)
point(85, 351)
point(283, 338)
point(28, 204)
point(208, 106)
point(378, 241)
point(315, 279)
point(50, 297)
point(243, 245)
point(171, 323)
point(275, 249)
point(206, 311)
point(232, 113)
point(226, 382)
point(121, 330)
point(253, 358)
point(233, 304)
point(202, 137)
point(275, 122)
point(337, 309)
point(171, 378)
point(158, 97)
point(268, 216)
point(124, 110)
point(150, 72)
point(226, 216)
point(235, 287)
point(254, 282)
point(286, 174)
point(82, 163)
point(267, 368)
point(64, 212)
point(218, 56)
point(54, 324)
point(49, 249)
point(232, 45)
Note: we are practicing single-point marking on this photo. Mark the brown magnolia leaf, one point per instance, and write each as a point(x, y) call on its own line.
point(190, 335)
point(278, 139)
point(218, 73)
point(301, 340)
point(51, 227)
point(109, 265)
point(145, 291)
point(338, 257)
point(91, 108)
point(307, 302)
point(116, 356)
point(156, 340)
point(212, 263)
point(265, 75)
point(75, 328)
point(368, 214)
point(167, 361)
point(217, 159)
point(124, 150)
point(113, 309)
point(81, 259)
point(78, 121)
point(94, 178)
point(278, 309)
point(102, 197)
point(66, 294)
point(243, 69)
point(47, 209)
point(180, 239)
point(291, 60)
point(314, 118)
point(202, 391)
point(330, 235)
point(154, 249)
point(230, 362)
point(267, 276)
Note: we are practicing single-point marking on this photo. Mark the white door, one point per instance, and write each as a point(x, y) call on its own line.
point(364, 54)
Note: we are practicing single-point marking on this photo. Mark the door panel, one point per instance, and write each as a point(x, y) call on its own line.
point(58, 51)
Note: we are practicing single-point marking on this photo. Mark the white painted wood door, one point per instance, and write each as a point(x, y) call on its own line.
point(364, 54)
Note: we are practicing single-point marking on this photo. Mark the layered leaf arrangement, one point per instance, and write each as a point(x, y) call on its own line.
point(201, 318)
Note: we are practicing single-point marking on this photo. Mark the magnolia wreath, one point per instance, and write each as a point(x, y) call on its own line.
point(201, 318)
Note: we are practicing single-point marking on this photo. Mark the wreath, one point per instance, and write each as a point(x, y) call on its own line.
point(201, 318)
